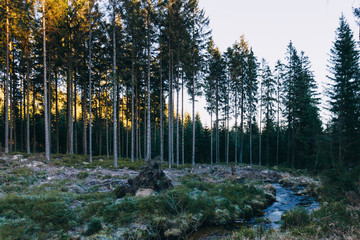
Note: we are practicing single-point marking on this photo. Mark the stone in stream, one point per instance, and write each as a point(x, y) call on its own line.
point(151, 177)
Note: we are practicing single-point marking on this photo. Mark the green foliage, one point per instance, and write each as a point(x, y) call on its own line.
point(295, 218)
point(82, 175)
point(245, 234)
point(48, 212)
point(93, 226)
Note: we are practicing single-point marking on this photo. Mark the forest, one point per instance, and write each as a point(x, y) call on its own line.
point(89, 84)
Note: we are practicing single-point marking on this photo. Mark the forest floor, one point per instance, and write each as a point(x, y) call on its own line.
point(70, 198)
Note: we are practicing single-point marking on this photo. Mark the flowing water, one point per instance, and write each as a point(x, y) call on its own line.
point(286, 199)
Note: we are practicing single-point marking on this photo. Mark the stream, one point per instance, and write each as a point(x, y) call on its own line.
point(286, 199)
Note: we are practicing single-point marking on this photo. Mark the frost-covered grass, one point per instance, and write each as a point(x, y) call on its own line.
point(35, 203)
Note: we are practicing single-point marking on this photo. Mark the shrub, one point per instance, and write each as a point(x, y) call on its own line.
point(93, 227)
point(48, 212)
point(295, 218)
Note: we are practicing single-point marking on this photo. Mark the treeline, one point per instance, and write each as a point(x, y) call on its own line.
point(90, 77)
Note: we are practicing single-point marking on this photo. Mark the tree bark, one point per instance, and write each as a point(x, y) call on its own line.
point(115, 152)
point(90, 90)
point(7, 95)
point(47, 135)
point(193, 115)
point(148, 157)
point(28, 100)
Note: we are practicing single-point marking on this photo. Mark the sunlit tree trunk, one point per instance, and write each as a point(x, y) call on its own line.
point(90, 83)
point(161, 115)
point(7, 95)
point(47, 134)
point(28, 99)
point(115, 152)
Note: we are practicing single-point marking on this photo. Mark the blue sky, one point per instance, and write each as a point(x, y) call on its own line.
point(269, 25)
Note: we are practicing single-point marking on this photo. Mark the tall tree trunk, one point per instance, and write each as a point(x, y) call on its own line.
point(11, 111)
point(115, 152)
point(57, 114)
point(217, 144)
point(278, 122)
point(145, 130)
point(47, 135)
point(84, 120)
point(7, 95)
point(90, 83)
point(170, 111)
point(28, 101)
point(161, 115)
point(34, 121)
point(250, 151)
point(177, 120)
point(260, 118)
point(148, 157)
point(236, 127)
point(193, 115)
point(242, 124)
point(211, 139)
point(182, 119)
point(132, 113)
point(107, 119)
point(75, 118)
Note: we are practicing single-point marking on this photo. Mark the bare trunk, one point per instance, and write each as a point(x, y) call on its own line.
point(75, 118)
point(115, 152)
point(182, 120)
point(236, 127)
point(28, 103)
point(161, 115)
point(217, 146)
point(278, 123)
point(90, 91)
point(170, 112)
point(242, 125)
point(132, 114)
point(260, 118)
point(57, 114)
point(193, 115)
point(211, 140)
point(250, 151)
point(84, 121)
point(107, 120)
point(34, 122)
point(148, 157)
point(47, 136)
point(177, 121)
point(7, 96)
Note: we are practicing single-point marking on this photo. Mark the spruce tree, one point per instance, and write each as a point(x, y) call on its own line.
point(344, 93)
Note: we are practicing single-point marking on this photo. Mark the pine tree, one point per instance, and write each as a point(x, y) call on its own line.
point(344, 93)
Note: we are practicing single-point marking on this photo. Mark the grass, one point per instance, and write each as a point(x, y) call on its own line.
point(30, 210)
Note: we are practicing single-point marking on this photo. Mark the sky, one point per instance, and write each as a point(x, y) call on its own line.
point(269, 25)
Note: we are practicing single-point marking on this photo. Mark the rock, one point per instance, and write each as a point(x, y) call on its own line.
point(270, 189)
point(173, 232)
point(144, 192)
